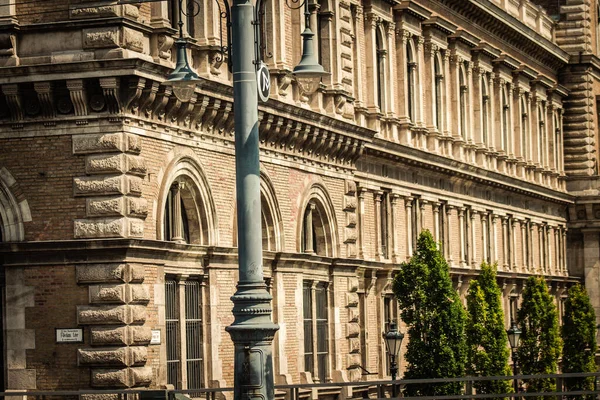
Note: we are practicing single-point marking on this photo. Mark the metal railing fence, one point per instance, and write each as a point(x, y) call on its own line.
point(372, 390)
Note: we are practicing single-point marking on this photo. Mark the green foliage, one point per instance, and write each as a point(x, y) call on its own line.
point(579, 338)
point(435, 318)
point(540, 344)
point(487, 344)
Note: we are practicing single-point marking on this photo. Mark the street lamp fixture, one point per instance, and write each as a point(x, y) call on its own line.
point(393, 341)
point(183, 79)
point(308, 72)
point(514, 336)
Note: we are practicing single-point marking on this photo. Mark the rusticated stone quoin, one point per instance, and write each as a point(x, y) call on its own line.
point(98, 273)
point(124, 335)
point(119, 356)
point(111, 315)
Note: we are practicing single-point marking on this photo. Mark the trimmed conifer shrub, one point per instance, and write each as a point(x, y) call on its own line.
point(540, 344)
point(435, 317)
point(487, 344)
point(579, 340)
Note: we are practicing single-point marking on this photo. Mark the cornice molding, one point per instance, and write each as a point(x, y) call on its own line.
point(411, 156)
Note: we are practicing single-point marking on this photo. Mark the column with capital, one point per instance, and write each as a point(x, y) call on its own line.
point(377, 196)
point(462, 233)
point(361, 222)
point(436, 221)
point(177, 220)
point(422, 205)
point(308, 229)
point(394, 222)
point(564, 252)
point(449, 256)
point(485, 236)
point(550, 247)
point(494, 247)
point(472, 240)
point(541, 246)
point(513, 235)
point(532, 259)
point(418, 84)
point(523, 245)
point(408, 204)
point(505, 250)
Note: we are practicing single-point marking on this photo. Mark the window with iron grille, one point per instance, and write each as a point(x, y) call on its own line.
point(316, 330)
point(184, 365)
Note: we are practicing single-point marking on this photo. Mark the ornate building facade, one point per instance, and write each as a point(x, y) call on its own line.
point(475, 119)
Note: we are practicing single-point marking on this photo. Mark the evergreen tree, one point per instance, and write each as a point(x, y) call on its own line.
point(540, 344)
point(435, 318)
point(487, 343)
point(579, 338)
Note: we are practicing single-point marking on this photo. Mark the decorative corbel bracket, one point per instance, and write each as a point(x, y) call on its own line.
point(44, 92)
point(78, 96)
point(15, 103)
point(136, 88)
point(110, 89)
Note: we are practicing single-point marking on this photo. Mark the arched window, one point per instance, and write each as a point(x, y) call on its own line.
point(463, 88)
point(187, 209)
point(485, 112)
point(505, 118)
point(411, 66)
point(524, 128)
point(316, 230)
point(438, 82)
point(380, 65)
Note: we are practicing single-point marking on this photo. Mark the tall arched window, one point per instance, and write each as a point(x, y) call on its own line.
point(411, 66)
point(524, 128)
point(485, 114)
point(380, 65)
point(505, 118)
point(463, 88)
point(438, 82)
